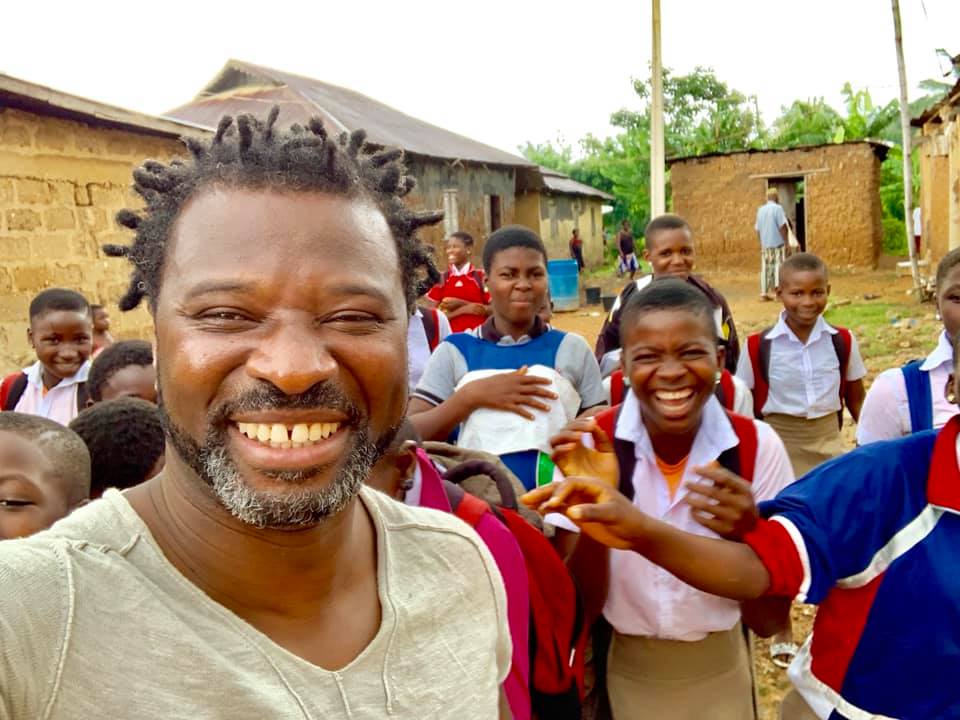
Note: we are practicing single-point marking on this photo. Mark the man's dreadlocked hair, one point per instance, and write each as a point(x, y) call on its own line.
point(252, 154)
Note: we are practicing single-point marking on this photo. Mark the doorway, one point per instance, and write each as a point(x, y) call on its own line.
point(793, 201)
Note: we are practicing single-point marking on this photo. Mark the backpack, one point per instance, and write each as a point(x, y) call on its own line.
point(558, 632)
point(758, 346)
point(431, 326)
point(13, 387)
point(919, 398)
point(725, 390)
point(476, 274)
point(741, 459)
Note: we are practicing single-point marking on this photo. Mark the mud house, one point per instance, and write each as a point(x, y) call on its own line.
point(65, 170)
point(831, 195)
point(940, 175)
point(554, 205)
point(479, 187)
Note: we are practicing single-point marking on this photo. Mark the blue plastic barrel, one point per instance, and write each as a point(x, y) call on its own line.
point(564, 284)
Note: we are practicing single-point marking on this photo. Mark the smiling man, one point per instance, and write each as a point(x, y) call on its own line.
point(256, 577)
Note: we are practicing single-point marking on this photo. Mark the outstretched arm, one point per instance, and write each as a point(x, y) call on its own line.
point(720, 567)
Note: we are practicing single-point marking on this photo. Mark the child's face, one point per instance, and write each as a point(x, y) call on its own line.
point(457, 251)
point(948, 301)
point(671, 253)
point(132, 381)
point(671, 358)
point(63, 340)
point(517, 285)
point(101, 320)
point(804, 295)
point(31, 499)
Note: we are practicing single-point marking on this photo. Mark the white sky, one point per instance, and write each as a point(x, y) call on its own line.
point(498, 71)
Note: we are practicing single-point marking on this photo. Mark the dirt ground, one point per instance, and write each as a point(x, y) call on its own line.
point(891, 328)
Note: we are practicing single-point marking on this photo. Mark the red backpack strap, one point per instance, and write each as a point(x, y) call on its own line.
point(617, 390)
point(742, 459)
point(431, 326)
point(11, 390)
point(470, 509)
point(726, 391)
point(758, 347)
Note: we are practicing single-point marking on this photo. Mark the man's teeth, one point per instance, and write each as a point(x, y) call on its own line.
point(278, 435)
point(674, 394)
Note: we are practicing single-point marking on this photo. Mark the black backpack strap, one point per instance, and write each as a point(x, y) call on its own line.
point(430, 328)
point(626, 461)
point(83, 395)
point(16, 391)
point(730, 459)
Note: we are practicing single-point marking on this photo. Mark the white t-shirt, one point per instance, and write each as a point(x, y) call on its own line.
point(96, 623)
point(418, 345)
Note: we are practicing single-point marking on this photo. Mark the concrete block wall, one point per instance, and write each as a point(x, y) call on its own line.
point(61, 183)
point(719, 197)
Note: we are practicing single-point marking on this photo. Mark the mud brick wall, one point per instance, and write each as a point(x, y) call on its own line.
point(719, 197)
point(61, 182)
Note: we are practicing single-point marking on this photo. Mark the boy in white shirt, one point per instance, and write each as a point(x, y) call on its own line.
point(802, 371)
point(61, 333)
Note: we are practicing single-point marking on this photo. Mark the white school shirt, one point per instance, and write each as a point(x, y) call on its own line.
point(646, 600)
point(418, 345)
point(60, 402)
point(886, 409)
point(804, 378)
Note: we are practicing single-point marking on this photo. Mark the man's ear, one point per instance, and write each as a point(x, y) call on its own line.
point(407, 460)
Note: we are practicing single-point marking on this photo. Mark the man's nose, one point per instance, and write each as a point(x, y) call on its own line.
point(293, 358)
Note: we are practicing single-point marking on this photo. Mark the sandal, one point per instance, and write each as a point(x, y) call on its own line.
point(782, 654)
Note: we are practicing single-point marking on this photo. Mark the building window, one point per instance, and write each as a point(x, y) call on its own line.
point(451, 220)
point(495, 218)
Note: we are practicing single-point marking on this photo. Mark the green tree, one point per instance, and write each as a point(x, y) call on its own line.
point(806, 122)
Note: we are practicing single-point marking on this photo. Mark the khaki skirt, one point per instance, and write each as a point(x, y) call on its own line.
point(808, 442)
point(675, 680)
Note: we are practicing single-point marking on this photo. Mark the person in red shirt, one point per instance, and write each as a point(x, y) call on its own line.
point(461, 293)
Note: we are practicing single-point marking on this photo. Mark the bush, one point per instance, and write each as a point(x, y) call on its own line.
point(894, 237)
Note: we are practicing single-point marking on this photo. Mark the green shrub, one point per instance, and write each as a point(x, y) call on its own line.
point(894, 237)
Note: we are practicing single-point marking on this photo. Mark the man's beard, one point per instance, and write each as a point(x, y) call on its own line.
point(291, 506)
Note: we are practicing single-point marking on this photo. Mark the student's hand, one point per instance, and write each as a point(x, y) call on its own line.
point(515, 392)
point(576, 459)
point(598, 510)
point(449, 304)
point(722, 502)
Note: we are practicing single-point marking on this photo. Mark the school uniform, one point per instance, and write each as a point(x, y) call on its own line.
point(59, 403)
point(463, 283)
point(679, 653)
point(484, 348)
point(804, 390)
point(419, 344)
point(905, 400)
point(872, 538)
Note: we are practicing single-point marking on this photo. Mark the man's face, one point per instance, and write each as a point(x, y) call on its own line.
point(281, 327)
point(671, 253)
point(30, 499)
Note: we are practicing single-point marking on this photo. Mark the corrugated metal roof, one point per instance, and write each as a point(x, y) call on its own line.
point(880, 147)
point(560, 183)
point(46, 101)
point(243, 87)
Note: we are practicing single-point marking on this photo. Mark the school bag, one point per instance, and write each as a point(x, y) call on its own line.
point(920, 400)
point(558, 632)
point(476, 274)
point(725, 390)
point(431, 326)
point(14, 385)
point(758, 347)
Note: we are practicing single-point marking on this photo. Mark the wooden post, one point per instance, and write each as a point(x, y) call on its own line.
point(657, 176)
point(907, 151)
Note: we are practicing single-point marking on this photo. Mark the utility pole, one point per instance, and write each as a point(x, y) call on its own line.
point(907, 152)
point(657, 179)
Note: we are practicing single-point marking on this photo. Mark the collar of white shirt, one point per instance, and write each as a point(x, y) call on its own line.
point(781, 328)
point(34, 377)
point(465, 269)
point(714, 435)
point(942, 353)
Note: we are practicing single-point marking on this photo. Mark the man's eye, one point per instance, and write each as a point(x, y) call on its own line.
point(7, 502)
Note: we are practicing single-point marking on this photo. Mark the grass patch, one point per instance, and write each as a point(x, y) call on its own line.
point(888, 334)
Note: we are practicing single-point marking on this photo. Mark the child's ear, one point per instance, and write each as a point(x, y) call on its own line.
point(828, 289)
point(779, 293)
point(30, 337)
point(721, 357)
point(90, 403)
point(949, 391)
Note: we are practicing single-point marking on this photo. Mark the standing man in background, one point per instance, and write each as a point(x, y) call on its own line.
point(771, 227)
point(627, 247)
